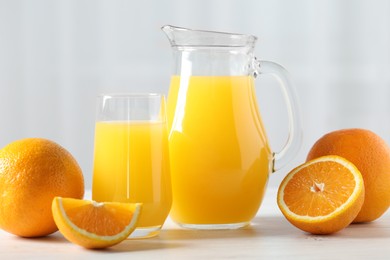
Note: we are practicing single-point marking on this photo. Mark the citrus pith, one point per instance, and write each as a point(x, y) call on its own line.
point(371, 155)
point(93, 224)
point(323, 195)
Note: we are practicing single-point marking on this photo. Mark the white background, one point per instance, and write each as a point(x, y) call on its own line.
point(56, 56)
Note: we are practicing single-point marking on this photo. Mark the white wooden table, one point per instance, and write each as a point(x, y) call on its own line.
point(269, 237)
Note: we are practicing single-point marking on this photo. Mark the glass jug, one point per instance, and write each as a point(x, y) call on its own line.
point(219, 152)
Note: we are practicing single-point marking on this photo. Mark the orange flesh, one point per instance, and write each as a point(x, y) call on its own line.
point(111, 220)
point(302, 190)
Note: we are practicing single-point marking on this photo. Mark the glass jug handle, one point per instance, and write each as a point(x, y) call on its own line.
point(293, 143)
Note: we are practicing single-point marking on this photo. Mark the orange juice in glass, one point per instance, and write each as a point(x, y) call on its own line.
point(131, 161)
point(220, 160)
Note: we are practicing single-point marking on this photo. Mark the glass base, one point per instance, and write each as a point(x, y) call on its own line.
point(145, 232)
point(215, 226)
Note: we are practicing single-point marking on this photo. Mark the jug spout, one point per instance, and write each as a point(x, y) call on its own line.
point(169, 31)
point(179, 36)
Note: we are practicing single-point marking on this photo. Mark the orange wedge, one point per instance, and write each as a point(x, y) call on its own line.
point(322, 196)
point(93, 224)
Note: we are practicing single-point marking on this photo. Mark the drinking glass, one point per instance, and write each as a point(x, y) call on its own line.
point(131, 160)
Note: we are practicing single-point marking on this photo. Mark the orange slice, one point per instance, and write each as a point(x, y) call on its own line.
point(95, 224)
point(322, 196)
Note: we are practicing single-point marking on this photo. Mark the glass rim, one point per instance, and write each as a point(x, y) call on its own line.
point(181, 37)
point(131, 95)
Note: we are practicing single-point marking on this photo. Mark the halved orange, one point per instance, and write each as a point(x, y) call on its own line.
point(322, 196)
point(95, 224)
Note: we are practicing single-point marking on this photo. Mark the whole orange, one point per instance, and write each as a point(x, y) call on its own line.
point(371, 155)
point(32, 172)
